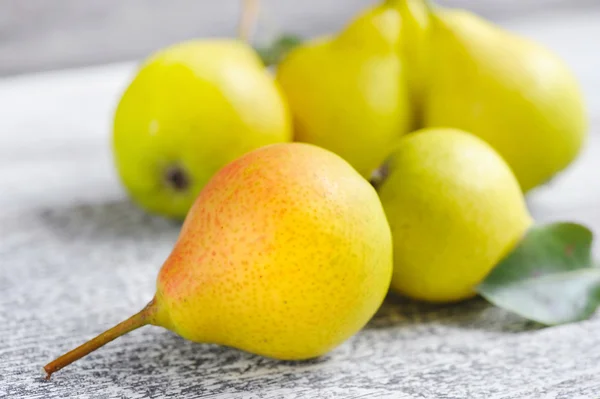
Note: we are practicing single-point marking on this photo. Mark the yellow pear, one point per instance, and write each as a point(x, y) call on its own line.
point(286, 253)
point(510, 91)
point(348, 93)
point(455, 209)
point(414, 41)
point(192, 108)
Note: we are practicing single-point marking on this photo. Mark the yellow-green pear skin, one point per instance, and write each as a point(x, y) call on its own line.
point(414, 41)
point(286, 253)
point(513, 93)
point(192, 108)
point(348, 93)
point(455, 210)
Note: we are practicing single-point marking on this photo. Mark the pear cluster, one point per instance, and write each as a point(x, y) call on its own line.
point(403, 65)
point(418, 131)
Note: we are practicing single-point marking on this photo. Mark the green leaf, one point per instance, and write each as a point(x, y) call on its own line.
point(549, 277)
point(278, 48)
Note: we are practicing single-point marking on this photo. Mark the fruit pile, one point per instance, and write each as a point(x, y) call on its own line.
point(417, 130)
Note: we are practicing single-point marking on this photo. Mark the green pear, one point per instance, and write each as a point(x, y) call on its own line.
point(191, 109)
point(455, 210)
point(348, 93)
point(510, 91)
point(413, 50)
point(286, 253)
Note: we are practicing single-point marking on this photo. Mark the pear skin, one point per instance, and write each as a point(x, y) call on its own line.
point(286, 253)
point(455, 210)
point(413, 48)
point(510, 91)
point(191, 109)
point(348, 93)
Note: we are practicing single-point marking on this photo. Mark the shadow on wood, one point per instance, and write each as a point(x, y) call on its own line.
point(111, 220)
point(474, 314)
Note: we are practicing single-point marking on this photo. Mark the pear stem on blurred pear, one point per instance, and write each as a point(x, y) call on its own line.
point(429, 6)
point(140, 319)
point(379, 175)
point(247, 24)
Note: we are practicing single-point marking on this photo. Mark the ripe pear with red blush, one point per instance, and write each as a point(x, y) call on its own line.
point(286, 253)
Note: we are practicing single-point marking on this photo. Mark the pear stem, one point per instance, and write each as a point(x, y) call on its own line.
point(250, 9)
point(429, 6)
point(379, 175)
point(136, 321)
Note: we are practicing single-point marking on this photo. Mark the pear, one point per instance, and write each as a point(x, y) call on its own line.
point(455, 210)
point(413, 46)
point(348, 93)
point(286, 253)
point(510, 91)
point(192, 108)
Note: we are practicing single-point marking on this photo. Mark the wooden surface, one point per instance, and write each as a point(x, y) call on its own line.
point(42, 34)
point(76, 257)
